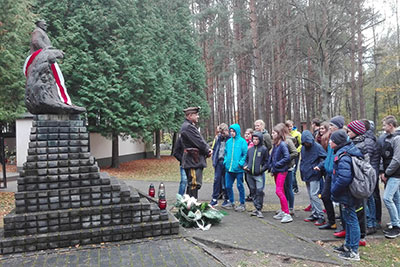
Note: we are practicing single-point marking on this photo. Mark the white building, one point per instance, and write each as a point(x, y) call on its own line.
point(100, 147)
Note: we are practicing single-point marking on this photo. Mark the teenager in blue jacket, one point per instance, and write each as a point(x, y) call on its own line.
point(312, 155)
point(235, 157)
point(342, 177)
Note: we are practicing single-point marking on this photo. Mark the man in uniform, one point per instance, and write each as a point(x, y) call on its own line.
point(195, 151)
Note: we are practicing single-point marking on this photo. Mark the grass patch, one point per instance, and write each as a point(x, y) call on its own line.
point(377, 252)
point(384, 252)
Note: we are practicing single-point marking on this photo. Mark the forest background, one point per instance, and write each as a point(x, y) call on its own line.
point(136, 64)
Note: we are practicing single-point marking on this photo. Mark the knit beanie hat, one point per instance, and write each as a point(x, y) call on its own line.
point(339, 137)
point(338, 121)
point(357, 127)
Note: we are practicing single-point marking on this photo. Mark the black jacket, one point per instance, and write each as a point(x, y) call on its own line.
point(195, 149)
point(257, 157)
point(386, 143)
point(372, 149)
point(178, 150)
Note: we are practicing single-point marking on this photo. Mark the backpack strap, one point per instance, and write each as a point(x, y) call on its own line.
point(342, 155)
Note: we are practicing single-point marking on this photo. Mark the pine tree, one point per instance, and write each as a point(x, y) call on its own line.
point(185, 64)
point(121, 64)
point(15, 26)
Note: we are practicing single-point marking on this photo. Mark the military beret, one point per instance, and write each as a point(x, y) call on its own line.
point(191, 110)
point(38, 21)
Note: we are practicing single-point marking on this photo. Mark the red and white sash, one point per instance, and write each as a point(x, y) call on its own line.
point(59, 78)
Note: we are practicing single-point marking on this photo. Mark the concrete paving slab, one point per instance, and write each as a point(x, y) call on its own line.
point(154, 252)
point(239, 230)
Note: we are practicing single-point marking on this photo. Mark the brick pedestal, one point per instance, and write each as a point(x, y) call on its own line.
point(63, 199)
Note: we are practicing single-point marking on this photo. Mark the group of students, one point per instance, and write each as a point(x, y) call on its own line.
point(247, 159)
point(325, 155)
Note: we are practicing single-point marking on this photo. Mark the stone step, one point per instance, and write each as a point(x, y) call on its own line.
point(62, 181)
point(59, 160)
point(88, 236)
point(79, 138)
point(83, 218)
point(58, 170)
point(114, 192)
point(77, 147)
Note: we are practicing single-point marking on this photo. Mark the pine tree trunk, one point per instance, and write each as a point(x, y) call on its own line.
point(360, 62)
point(174, 140)
point(115, 151)
point(158, 143)
point(354, 94)
point(268, 105)
point(375, 116)
point(240, 68)
point(259, 92)
point(295, 91)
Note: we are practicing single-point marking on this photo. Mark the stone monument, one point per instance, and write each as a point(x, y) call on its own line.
point(63, 199)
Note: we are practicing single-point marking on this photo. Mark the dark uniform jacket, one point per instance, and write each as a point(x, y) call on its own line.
point(195, 149)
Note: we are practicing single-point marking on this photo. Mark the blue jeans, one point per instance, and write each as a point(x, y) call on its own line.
point(370, 209)
point(295, 186)
point(219, 181)
point(183, 183)
point(391, 198)
point(352, 227)
point(316, 205)
point(321, 186)
point(229, 180)
point(289, 189)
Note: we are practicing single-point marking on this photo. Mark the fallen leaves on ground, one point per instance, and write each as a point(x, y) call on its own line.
point(166, 167)
point(9, 168)
point(7, 203)
point(147, 169)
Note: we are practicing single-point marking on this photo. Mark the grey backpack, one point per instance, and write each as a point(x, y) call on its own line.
point(364, 181)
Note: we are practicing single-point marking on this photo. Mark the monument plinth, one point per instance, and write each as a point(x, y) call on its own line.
point(63, 199)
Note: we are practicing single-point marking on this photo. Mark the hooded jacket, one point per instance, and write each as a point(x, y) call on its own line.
point(257, 157)
point(311, 157)
point(279, 159)
point(343, 174)
point(235, 151)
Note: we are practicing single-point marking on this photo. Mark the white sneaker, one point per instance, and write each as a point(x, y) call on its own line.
point(278, 211)
point(279, 216)
point(286, 218)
